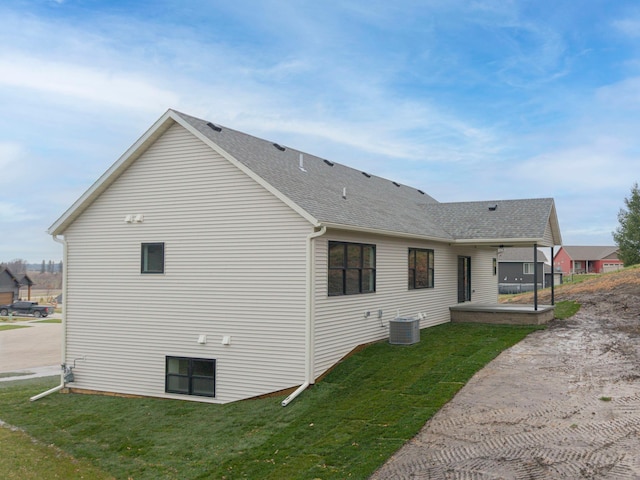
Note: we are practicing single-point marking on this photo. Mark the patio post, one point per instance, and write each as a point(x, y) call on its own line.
point(553, 279)
point(535, 276)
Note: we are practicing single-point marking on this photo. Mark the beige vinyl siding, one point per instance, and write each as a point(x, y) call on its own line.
point(341, 323)
point(234, 265)
point(548, 235)
point(484, 284)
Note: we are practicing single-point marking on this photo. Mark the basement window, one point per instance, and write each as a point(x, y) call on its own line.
point(191, 376)
point(352, 268)
point(152, 258)
point(421, 268)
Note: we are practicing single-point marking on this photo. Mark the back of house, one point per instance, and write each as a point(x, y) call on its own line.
point(207, 264)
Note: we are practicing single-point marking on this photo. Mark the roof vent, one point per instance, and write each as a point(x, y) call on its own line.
point(420, 192)
point(301, 164)
point(214, 127)
point(493, 207)
point(279, 147)
point(366, 174)
point(396, 184)
point(329, 163)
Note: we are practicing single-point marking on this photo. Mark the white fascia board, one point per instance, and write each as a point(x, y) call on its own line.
point(507, 242)
point(242, 167)
point(555, 225)
point(388, 233)
point(108, 177)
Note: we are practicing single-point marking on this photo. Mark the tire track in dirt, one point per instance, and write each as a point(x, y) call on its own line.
point(562, 404)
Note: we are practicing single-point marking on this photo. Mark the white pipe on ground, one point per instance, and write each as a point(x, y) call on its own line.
point(64, 319)
point(44, 394)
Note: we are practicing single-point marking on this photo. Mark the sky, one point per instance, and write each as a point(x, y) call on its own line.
point(467, 100)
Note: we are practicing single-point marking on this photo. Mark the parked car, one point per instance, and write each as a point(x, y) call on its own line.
point(26, 308)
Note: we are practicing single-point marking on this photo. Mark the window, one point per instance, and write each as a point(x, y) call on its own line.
point(191, 376)
point(352, 268)
point(152, 258)
point(527, 268)
point(420, 268)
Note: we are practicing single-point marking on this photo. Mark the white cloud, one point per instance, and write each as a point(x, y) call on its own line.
point(11, 212)
point(624, 95)
point(628, 26)
point(82, 83)
point(12, 162)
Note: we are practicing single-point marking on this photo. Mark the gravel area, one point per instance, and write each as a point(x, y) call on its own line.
point(562, 404)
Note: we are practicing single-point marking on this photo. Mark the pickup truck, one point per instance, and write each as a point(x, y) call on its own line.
point(26, 308)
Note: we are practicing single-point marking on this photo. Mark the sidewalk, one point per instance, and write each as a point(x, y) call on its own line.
point(33, 351)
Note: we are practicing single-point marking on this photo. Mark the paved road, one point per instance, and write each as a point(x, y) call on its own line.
point(33, 351)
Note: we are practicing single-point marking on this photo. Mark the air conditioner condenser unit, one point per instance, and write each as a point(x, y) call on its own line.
point(404, 331)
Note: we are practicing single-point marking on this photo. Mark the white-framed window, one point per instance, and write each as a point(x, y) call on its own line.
point(528, 268)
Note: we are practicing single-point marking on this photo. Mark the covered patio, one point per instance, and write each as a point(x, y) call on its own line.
point(501, 225)
point(505, 314)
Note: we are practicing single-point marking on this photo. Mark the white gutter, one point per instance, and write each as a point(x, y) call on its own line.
point(310, 323)
point(64, 319)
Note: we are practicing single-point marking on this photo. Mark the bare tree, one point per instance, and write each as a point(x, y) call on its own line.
point(17, 266)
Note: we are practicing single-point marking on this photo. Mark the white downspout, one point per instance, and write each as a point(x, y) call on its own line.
point(310, 320)
point(63, 242)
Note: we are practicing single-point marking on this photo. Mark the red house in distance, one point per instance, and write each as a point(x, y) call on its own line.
point(587, 259)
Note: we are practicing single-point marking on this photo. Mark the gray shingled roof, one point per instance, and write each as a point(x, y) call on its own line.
point(493, 219)
point(589, 252)
point(373, 202)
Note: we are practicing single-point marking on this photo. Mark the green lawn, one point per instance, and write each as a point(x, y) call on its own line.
point(11, 327)
point(344, 427)
point(23, 459)
point(566, 309)
point(12, 319)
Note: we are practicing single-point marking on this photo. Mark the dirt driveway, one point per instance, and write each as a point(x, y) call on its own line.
point(562, 404)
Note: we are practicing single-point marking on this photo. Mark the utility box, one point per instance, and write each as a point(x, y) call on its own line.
point(404, 331)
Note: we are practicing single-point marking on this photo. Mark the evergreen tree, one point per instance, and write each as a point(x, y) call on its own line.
point(42, 268)
point(627, 235)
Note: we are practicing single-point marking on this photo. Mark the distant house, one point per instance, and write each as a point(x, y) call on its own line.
point(211, 265)
point(9, 287)
point(25, 281)
point(516, 270)
point(587, 259)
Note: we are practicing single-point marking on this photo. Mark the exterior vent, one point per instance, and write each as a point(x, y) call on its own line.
point(214, 127)
point(493, 208)
point(329, 163)
point(404, 331)
point(366, 174)
point(420, 192)
point(279, 147)
point(396, 184)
